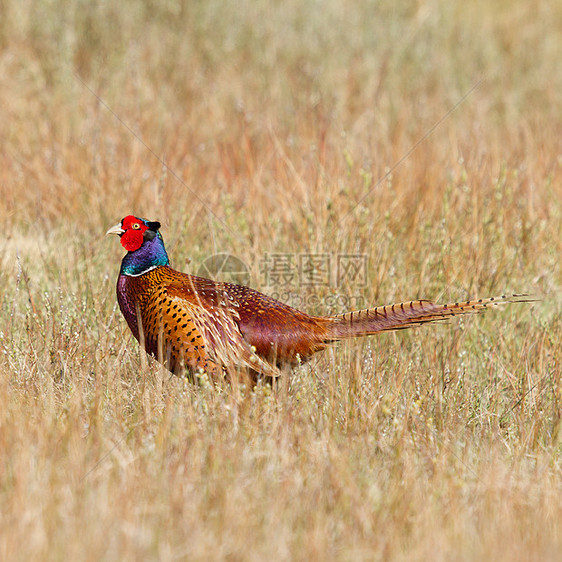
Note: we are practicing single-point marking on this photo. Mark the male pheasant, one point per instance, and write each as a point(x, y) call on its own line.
point(193, 324)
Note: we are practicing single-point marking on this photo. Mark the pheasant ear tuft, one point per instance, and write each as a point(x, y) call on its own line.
point(153, 225)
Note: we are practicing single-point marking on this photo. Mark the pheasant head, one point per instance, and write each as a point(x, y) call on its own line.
point(144, 244)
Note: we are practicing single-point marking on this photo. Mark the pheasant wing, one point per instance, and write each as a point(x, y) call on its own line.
point(214, 322)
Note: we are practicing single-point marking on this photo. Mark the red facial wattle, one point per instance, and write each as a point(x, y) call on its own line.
point(133, 236)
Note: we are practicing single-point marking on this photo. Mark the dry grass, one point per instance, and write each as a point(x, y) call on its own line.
point(443, 443)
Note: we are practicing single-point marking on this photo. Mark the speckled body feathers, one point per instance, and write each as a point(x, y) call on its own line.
point(195, 323)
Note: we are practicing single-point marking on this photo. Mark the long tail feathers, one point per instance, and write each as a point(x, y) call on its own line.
point(408, 314)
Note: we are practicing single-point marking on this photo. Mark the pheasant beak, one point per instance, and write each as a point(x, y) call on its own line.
point(115, 230)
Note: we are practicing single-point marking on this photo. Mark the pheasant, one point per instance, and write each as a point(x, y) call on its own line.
point(192, 324)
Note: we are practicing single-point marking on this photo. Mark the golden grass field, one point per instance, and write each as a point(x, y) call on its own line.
point(426, 136)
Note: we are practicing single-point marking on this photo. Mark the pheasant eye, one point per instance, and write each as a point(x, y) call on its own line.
point(135, 226)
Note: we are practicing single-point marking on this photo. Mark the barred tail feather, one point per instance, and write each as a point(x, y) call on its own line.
point(408, 314)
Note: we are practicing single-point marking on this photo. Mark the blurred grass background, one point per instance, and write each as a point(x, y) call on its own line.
point(283, 118)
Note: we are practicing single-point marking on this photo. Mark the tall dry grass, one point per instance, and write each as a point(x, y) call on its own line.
point(277, 122)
